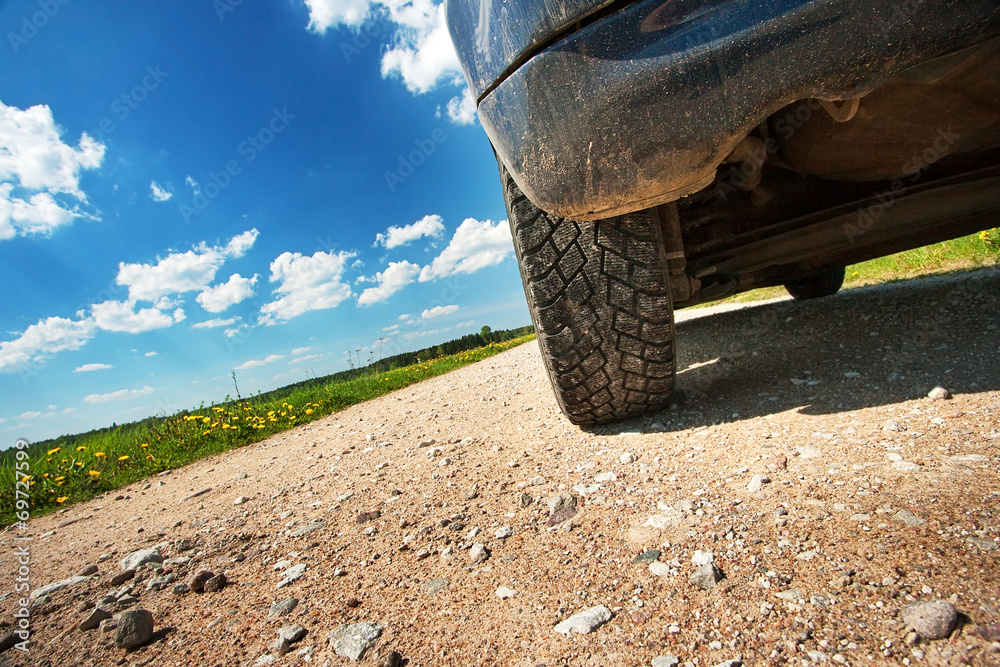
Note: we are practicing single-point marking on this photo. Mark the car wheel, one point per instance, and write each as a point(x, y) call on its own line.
point(600, 301)
point(822, 283)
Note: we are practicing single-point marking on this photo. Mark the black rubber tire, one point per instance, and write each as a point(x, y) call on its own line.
point(600, 301)
point(823, 283)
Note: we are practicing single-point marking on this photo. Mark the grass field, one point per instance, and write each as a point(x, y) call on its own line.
point(961, 254)
point(62, 475)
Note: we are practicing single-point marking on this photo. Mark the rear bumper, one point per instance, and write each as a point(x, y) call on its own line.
point(638, 109)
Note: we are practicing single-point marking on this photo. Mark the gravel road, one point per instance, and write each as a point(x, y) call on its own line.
point(803, 502)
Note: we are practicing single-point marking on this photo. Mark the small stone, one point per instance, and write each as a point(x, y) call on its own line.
point(819, 600)
point(706, 577)
point(292, 574)
point(282, 607)
point(434, 586)
point(985, 545)
point(197, 493)
point(216, 583)
point(604, 477)
point(137, 559)
point(353, 641)
point(108, 625)
point(934, 619)
point(135, 628)
point(790, 594)
point(909, 518)
point(757, 483)
point(526, 500)
point(666, 661)
point(43, 591)
point(892, 426)
point(94, 619)
point(87, 571)
point(537, 481)
point(478, 554)
point(292, 633)
point(700, 558)
point(159, 583)
point(198, 579)
point(627, 457)
point(240, 500)
point(504, 532)
point(180, 589)
point(560, 501)
point(184, 544)
point(905, 466)
point(504, 593)
point(659, 569)
point(309, 528)
point(647, 557)
point(938, 393)
point(586, 621)
point(777, 463)
point(122, 577)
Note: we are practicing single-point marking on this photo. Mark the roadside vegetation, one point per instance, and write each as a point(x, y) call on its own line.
point(73, 468)
point(961, 254)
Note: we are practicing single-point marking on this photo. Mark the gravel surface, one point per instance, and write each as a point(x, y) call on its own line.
point(804, 477)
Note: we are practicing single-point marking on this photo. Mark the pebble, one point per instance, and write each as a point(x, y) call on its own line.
point(706, 577)
point(892, 426)
point(434, 586)
point(198, 579)
point(240, 500)
point(200, 492)
point(647, 557)
point(627, 457)
point(985, 545)
point(905, 466)
point(137, 559)
point(478, 554)
point(87, 571)
point(938, 393)
point(700, 558)
point(94, 619)
point(353, 641)
point(909, 518)
point(504, 532)
point(666, 661)
point(537, 481)
point(309, 528)
point(159, 583)
point(180, 589)
point(216, 583)
point(292, 633)
point(282, 607)
point(43, 591)
point(757, 483)
point(504, 593)
point(586, 621)
point(659, 569)
point(934, 619)
point(135, 628)
point(291, 575)
point(604, 477)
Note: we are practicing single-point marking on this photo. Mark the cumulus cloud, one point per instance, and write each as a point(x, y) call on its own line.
point(395, 277)
point(429, 225)
point(308, 357)
point(158, 193)
point(462, 109)
point(306, 283)
point(465, 325)
point(122, 316)
point(180, 272)
point(254, 363)
point(218, 298)
point(86, 368)
point(421, 334)
point(214, 323)
point(120, 395)
point(475, 245)
point(421, 53)
point(438, 311)
point(301, 350)
point(39, 173)
point(42, 339)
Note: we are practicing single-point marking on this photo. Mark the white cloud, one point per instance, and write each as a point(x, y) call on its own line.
point(393, 328)
point(220, 297)
point(122, 316)
point(176, 273)
point(404, 317)
point(301, 350)
point(39, 174)
point(395, 277)
point(474, 246)
point(120, 395)
point(421, 54)
point(307, 283)
point(30, 415)
point(438, 311)
point(193, 184)
point(159, 194)
point(462, 109)
point(308, 357)
point(421, 334)
point(151, 354)
point(44, 338)
point(254, 363)
point(464, 325)
point(429, 225)
point(86, 368)
point(217, 322)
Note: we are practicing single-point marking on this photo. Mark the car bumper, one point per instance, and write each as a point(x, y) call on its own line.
point(640, 107)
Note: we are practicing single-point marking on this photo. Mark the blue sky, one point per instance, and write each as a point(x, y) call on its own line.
point(196, 187)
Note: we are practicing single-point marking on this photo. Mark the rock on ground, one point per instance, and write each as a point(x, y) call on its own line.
point(586, 621)
point(934, 619)
point(135, 628)
point(353, 641)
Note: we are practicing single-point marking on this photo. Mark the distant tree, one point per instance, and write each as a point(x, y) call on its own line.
point(485, 333)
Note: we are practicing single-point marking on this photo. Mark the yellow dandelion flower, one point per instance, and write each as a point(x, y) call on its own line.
point(93, 473)
point(59, 478)
point(98, 455)
point(79, 463)
point(61, 499)
point(81, 448)
point(205, 420)
point(48, 460)
point(53, 451)
point(123, 458)
point(144, 445)
point(309, 411)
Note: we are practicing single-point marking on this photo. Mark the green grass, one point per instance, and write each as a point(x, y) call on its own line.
point(961, 254)
point(64, 475)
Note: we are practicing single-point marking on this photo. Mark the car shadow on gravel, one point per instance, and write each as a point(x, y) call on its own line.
point(864, 347)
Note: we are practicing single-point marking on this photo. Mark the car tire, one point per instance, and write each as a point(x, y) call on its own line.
point(822, 283)
point(599, 297)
